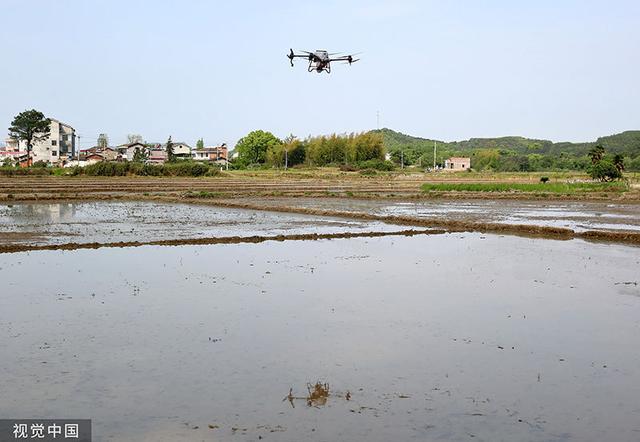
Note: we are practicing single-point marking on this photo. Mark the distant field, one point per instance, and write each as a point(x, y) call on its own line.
point(526, 187)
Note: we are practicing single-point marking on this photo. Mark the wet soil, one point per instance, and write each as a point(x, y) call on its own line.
point(452, 337)
point(578, 216)
point(441, 222)
point(30, 224)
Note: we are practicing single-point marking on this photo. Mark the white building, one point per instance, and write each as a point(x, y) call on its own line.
point(216, 154)
point(457, 163)
point(180, 150)
point(60, 145)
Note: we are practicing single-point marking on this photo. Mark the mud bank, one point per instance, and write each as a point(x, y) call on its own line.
point(223, 240)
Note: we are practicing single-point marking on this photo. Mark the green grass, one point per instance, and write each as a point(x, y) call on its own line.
point(527, 187)
point(203, 194)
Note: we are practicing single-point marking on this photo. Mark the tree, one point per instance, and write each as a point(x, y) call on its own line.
point(200, 144)
point(134, 138)
point(604, 170)
point(252, 148)
point(596, 154)
point(169, 148)
point(140, 154)
point(287, 154)
point(103, 141)
point(30, 126)
point(618, 162)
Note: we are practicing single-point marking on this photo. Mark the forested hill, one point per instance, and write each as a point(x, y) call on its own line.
point(626, 142)
point(513, 151)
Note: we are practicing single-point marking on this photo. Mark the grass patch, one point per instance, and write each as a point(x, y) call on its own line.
point(203, 194)
point(526, 187)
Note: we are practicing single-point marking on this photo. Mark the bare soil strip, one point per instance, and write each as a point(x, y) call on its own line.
point(13, 248)
point(47, 188)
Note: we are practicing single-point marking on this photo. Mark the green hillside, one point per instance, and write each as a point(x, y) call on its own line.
point(512, 152)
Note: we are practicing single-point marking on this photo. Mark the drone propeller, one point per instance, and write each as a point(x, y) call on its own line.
point(290, 56)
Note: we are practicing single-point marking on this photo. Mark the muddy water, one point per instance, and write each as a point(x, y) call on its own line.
point(453, 337)
point(113, 221)
point(578, 216)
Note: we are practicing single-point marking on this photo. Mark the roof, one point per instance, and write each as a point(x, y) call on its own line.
point(60, 122)
point(97, 149)
point(459, 158)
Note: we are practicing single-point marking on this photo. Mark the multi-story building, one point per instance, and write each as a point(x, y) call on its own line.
point(60, 145)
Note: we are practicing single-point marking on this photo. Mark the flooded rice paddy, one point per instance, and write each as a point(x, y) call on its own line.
point(115, 221)
point(449, 337)
point(578, 216)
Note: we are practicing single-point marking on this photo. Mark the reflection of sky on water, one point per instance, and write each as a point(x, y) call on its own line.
point(576, 216)
point(437, 337)
point(147, 221)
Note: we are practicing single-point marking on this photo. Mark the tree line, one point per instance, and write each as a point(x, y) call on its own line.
point(263, 148)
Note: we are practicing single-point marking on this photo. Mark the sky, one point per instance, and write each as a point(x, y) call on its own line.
point(564, 70)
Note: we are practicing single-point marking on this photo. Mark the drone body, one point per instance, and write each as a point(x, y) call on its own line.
point(320, 60)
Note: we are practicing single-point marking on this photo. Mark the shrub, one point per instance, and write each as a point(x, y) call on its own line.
point(104, 168)
point(544, 179)
point(15, 171)
point(212, 172)
point(605, 170)
point(187, 168)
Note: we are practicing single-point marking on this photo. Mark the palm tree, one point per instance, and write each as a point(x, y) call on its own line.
point(618, 162)
point(596, 153)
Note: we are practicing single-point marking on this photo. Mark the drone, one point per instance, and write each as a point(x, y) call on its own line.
point(320, 60)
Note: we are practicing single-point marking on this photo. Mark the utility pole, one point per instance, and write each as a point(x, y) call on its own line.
point(78, 156)
point(434, 155)
point(378, 120)
point(402, 159)
point(286, 158)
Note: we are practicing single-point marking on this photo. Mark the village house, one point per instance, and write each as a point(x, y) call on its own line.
point(92, 158)
point(217, 154)
point(127, 151)
point(457, 163)
point(180, 150)
point(13, 157)
point(157, 156)
point(107, 153)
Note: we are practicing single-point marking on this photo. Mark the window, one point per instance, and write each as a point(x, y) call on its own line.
point(54, 153)
point(54, 142)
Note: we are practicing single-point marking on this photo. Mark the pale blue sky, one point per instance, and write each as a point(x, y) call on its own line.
point(561, 70)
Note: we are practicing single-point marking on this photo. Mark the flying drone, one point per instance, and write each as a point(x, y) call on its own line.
point(320, 60)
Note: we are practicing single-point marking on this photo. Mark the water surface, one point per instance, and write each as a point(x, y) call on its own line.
point(452, 337)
